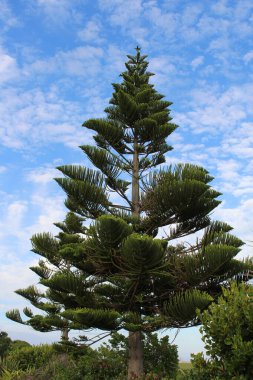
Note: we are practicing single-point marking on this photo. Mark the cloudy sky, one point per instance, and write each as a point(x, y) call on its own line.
point(58, 59)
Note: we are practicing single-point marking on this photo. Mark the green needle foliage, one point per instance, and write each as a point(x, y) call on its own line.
point(54, 265)
point(121, 273)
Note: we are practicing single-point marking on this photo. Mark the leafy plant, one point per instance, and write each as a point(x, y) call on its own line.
point(228, 335)
point(228, 332)
point(29, 357)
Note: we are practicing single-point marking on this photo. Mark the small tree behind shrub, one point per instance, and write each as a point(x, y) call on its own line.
point(160, 357)
point(5, 343)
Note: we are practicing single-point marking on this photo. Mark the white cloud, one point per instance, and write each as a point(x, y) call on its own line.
point(19, 223)
point(221, 8)
point(242, 147)
point(12, 218)
point(8, 67)
point(42, 176)
point(82, 61)
point(196, 62)
point(91, 32)
point(51, 211)
point(59, 11)
point(128, 18)
point(228, 170)
point(35, 118)
point(120, 14)
point(15, 275)
point(248, 57)
point(214, 112)
point(234, 178)
point(21, 218)
point(3, 169)
point(163, 22)
point(116, 56)
point(6, 15)
point(163, 67)
point(15, 213)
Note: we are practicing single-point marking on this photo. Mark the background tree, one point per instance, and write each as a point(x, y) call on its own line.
point(123, 275)
point(5, 343)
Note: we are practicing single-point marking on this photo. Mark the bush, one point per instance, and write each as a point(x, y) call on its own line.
point(228, 332)
point(160, 357)
point(28, 357)
point(228, 335)
point(104, 364)
point(202, 369)
point(17, 344)
point(108, 362)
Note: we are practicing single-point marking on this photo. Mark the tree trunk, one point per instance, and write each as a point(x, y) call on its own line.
point(65, 334)
point(135, 183)
point(135, 360)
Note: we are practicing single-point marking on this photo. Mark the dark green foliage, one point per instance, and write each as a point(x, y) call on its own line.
point(228, 335)
point(108, 362)
point(17, 344)
point(201, 369)
point(23, 358)
point(101, 318)
point(67, 244)
point(160, 357)
point(182, 306)
point(5, 343)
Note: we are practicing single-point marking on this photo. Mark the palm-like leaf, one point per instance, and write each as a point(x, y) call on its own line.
point(181, 308)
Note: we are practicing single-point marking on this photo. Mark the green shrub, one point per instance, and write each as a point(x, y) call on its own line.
point(227, 328)
point(18, 344)
point(228, 333)
point(103, 364)
point(201, 369)
point(160, 357)
point(108, 362)
point(28, 357)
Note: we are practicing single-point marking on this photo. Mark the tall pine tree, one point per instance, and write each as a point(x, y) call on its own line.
point(123, 274)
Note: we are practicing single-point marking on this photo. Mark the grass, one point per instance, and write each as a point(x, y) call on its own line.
point(184, 365)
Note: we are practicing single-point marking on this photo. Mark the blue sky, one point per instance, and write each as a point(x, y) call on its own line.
point(58, 59)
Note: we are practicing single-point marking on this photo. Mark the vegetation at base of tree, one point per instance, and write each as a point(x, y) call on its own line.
point(119, 273)
point(25, 358)
point(108, 362)
point(159, 356)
